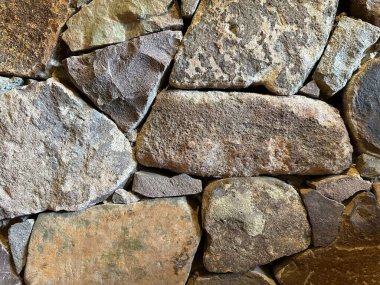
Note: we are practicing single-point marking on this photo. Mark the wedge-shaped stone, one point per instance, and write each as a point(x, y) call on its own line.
point(145, 243)
point(188, 8)
point(243, 134)
point(104, 22)
point(362, 107)
point(236, 44)
point(29, 31)
point(122, 196)
point(352, 259)
point(58, 152)
point(125, 89)
point(243, 229)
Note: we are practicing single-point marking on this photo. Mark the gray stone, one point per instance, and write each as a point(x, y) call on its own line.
point(125, 89)
point(221, 134)
point(344, 52)
point(7, 275)
point(244, 230)
point(362, 107)
point(154, 185)
point(368, 166)
point(68, 155)
point(188, 8)
point(18, 236)
point(104, 22)
point(368, 10)
point(122, 196)
point(324, 216)
point(311, 89)
point(7, 83)
point(239, 43)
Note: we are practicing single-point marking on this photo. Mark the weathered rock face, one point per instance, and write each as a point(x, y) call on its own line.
point(340, 187)
point(150, 184)
point(104, 22)
point(150, 242)
point(243, 229)
point(362, 107)
point(7, 84)
point(18, 236)
point(324, 216)
point(125, 89)
point(356, 252)
point(344, 52)
point(243, 134)
point(7, 274)
point(235, 44)
point(311, 89)
point(376, 191)
point(368, 10)
point(368, 166)
point(68, 155)
point(27, 46)
point(122, 196)
point(188, 8)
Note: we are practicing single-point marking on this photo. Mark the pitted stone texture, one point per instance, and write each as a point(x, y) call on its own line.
point(68, 155)
point(362, 107)
point(352, 259)
point(239, 43)
point(153, 185)
point(104, 22)
point(125, 89)
point(368, 10)
point(324, 216)
point(18, 236)
point(340, 187)
point(7, 275)
point(222, 134)
point(7, 84)
point(188, 8)
point(344, 52)
point(368, 166)
point(243, 228)
point(311, 89)
point(29, 31)
point(122, 196)
point(145, 243)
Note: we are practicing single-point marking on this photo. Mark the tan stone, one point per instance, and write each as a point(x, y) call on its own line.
point(145, 243)
point(188, 8)
point(376, 190)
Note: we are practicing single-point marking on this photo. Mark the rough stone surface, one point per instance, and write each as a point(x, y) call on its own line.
point(188, 8)
point(340, 187)
point(311, 89)
point(253, 277)
point(376, 191)
point(344, 52)
point(149, 242)
point(368, 166)
point(19, 235)
point(324, 216)
point(236, 44)
point(104, 22)
point(68, 155)
point(150, 184)
point(125, 89)
point(7, 83)
point(368, 10)
point(223, 134)
point(29, 31)
point(7, 275)
point(362, 107)
point(122, 196)
point(244, 231)
point(352, 259)
point(79, 3)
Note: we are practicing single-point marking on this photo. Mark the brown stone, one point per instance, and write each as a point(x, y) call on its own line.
point(29, 31)
point(362, 107)
point(352, 259)
point(221, 134)
point(244, 230)
point(368, 10)
point(145, 243)
point(340, 187)
point(8, 275)
point(368, 166)
point(311, 89)
point(376, 190)
point(324, 216)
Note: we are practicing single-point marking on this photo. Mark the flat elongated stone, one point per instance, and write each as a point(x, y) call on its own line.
point(7, 275)
point(68, 155)
point(368, 10)
point(344, 52)
point(352, 259)
point(244, 231)
point(29, 32)
point(324, 216)
point(150, 184)
point(149, 242)
point(7, 84)
point(18, 236)
point(104, 22)
point(122, 196)
point(362, 107)
point(236, 44)
point(243, 134)
point(368, 166)
point(340, 187)
point(125, 89)
point(188, 8)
